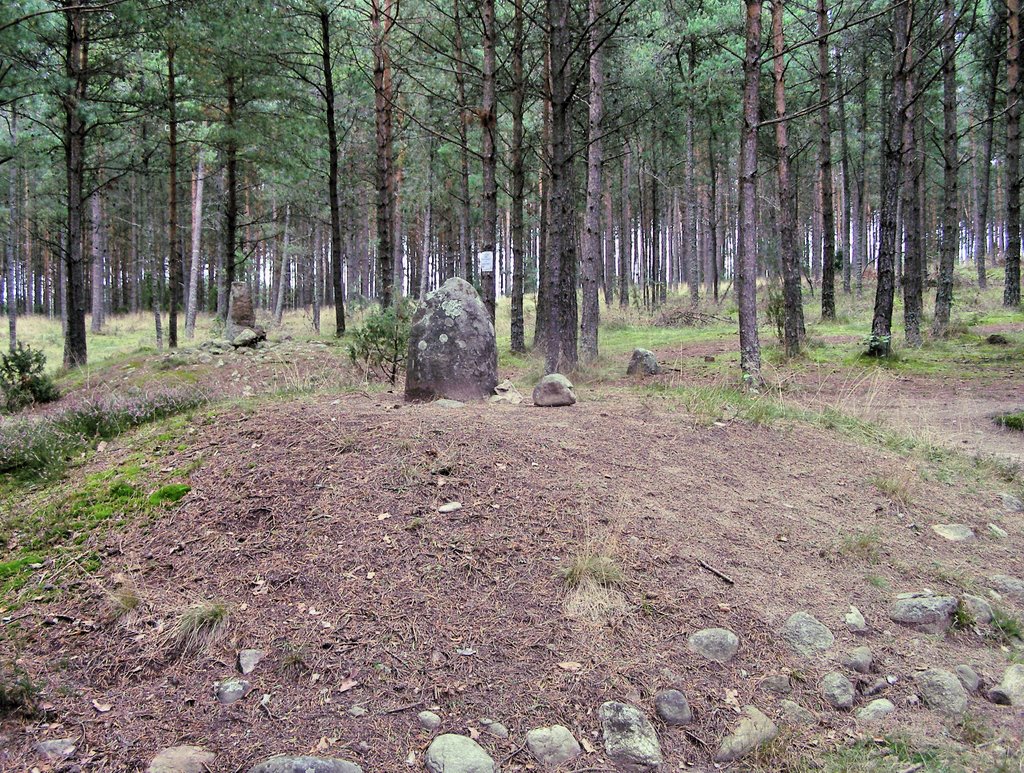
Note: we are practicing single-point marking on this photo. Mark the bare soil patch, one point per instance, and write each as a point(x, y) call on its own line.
point(316, 523)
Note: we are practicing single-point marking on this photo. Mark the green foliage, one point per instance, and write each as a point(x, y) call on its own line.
point(1012, 420)
point(1005, 626)
point(380, 345)
point(170, 493)
point(23, 380)
point(19, 695)
point(775, 311)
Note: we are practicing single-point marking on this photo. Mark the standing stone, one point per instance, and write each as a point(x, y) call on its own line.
point(182, 759)
point(643, 363)
point(837, 690)
point(752, 731)
point(942, 691)
point(241, 315)
point(553, 391)
point(303, 764)
point(717, 644)
point(673, 708)
point(1010, 691)
point(452, 349)
point(451, 753)
point(629, 738)
point(552, 746)
point(806, 635)
point(924, 612)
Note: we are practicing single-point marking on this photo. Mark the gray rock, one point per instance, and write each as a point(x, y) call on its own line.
point(1010, 691)
point(249, 659)
point(428, 720)
point(450, 753)
point(553, 391)
point(497, 729)
point(753, 730)
point(629, 738)
point(241, 315)
point(855, 621)
point(673, 708)
point(643, 363)
point(792, 713)
point(303, 764)
point(57, 749)
point(837, 690)
point(452, 349)
point(357, 711)
point(997, 531)
point(954, 532)
point(924, 612)
point(968, 677)
point(245, 338)
point(552, 746)
point(859, 659)
point(777, 684)
point(717, 644)
point(942, 691)
point(806, 635)
point(1008, 586)
point(506, 394)
point(875, 711)
point(446, 403)
point(229, 691)
point(1012, 504)
point(979, 608)
point(182, 759)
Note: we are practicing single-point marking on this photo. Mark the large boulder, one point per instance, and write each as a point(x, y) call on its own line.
point(629, 738)
point(924, 611)
point(643, 363)
point(553, 391)
point(452, 349)
point(452, 753)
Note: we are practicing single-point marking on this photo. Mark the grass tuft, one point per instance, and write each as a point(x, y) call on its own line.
point(19, 695)
point(896, 489)
point(1013, 420)
point(599, 569)
point(200, 626)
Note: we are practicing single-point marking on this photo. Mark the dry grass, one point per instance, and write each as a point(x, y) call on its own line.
point(896, 489)
point(199, 626)
point(589, 602)
point(596, 569)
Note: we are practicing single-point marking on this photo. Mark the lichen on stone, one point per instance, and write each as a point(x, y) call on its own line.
point(452, 307)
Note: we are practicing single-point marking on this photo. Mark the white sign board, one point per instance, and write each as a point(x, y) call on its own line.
point(486, 262)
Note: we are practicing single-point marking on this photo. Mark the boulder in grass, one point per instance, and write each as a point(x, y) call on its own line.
point(553, 391)
point(643, 363)
point(453, 353)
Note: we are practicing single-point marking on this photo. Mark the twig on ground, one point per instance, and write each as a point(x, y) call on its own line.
point(720, 575)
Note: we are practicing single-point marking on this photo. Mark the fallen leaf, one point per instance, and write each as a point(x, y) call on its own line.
point(450, 507)
point(467, 651)
point(474, 733)
point(347, 685)
point(102, 708)
point(570, 665)
point(587, 746)
point(732, 698)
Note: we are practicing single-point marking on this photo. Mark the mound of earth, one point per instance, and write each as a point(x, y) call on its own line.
point(591, 543)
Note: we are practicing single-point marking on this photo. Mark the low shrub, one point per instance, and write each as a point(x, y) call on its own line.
point(380, 346)
point(22, 379)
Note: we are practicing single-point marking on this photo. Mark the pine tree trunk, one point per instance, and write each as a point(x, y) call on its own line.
point(226, 277)
point(913, 269)
point(625, 228)
point(592, 241)
point(12, 241)
point(465, 258)
point(844, 170)
point(489, 157)
point(197, 239)
point(950, 243)
point(1011, 287)
point(173, 253)
point(746, 259)
point(382, 88)
point(985, 164)
point(828, 217)
point(518, 325)
point(337, 279)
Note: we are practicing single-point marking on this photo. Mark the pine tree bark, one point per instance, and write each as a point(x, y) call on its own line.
point(488, 125)
point(76, 62)
point(791, 291)
point(197, 240)
point(518, 325)
point(880, 343)
point(625, 228)
point(1011, 286)
point(337, 278)
point(746, 258)
point(465, 257)
point(98, 249)
point(592, 219)
point(844, 170)
point(913, 268)
point(985, 155)
point(173, 251)
point(828, 218)
point(381, 21)
point(12, 242)
point(950, 243)
point(227, 277)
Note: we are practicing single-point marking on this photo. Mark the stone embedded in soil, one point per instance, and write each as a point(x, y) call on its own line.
point(968, 677)
point(1008, 586)
point(777, 684)
point(942, 691)
point(643, 363)
point(451, 753)
point(629, 738)
point(57, 749)
point(182, 759)
point(1012, 504)
point(452, 349)
point(924, 612)
point(855, 621)
point(980, 609)
point(792, 713)
point(954, 532)
point(249, 659)
point(806, 635)
point(753, 730)
point(858, 659)
point(717, 644)
point(1010, 690)
point(673, 708)
point(552, 746)
point(837, 690)
point(497, 729)
point(428, 720)
point(303, 764)
point(506, 394)
point(357, 711)
point(997, 531)
point(444, 402)
point(449, 507)
point(875, 711)
point(231, 690)
point(553, 391)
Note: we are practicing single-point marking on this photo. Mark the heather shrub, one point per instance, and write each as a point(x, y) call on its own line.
point(22, 379)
